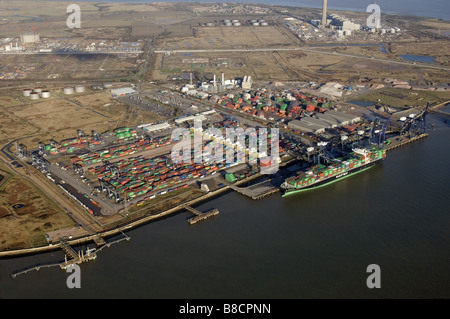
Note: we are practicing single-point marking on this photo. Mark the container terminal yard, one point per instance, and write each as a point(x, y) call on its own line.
point(126, 176)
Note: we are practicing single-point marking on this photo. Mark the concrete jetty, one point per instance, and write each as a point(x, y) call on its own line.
point(396, 144)
point(199, 216)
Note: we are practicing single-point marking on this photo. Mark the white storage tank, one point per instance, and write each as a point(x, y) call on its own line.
point(38, 89)
point(34, 96)
point(68, 90)
point(26, 92)
point(79, 88)
point(107, 85)
point(45, 94)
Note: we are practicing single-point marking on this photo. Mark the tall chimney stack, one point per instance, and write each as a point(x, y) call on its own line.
point(324, 14)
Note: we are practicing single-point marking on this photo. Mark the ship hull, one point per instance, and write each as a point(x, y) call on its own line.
point(331, 180)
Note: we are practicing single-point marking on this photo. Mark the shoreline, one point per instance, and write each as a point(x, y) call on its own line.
point(131, 225)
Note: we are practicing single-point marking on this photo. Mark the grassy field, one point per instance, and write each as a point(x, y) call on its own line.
point(404, 98)
point(26, 214)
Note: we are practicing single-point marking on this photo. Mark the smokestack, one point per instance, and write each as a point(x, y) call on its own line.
point(214, 80)
point(324, 14)
point(223, 79)
point(190, 78)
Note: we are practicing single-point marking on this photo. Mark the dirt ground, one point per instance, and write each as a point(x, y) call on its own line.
point(26, 215)
point(62, 115)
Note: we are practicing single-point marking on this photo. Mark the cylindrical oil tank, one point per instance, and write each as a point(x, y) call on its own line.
point(45, 94)
point(255, 24)
point(26, 92)
point(107, 85)
point(237, 24)
point(264, 24)
point(38, 89)
point(209, 24)
point(79, 88)
point(228, 24)
point(34, 96)
point(226, 21)
point(68, 90)
point(234, 21)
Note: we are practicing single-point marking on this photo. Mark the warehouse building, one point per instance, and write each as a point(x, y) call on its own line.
point(309, 125)
point(331, 120)
point(122, 91)
point(190, 118)
point(319, 122)
point(154, 127)
point(344, 118)
point(29, 37)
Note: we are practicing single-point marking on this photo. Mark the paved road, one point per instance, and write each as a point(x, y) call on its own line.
point(421, 65)
point(74, 53)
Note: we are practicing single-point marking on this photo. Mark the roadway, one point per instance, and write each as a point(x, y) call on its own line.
point(421, 65)
point(72, 52)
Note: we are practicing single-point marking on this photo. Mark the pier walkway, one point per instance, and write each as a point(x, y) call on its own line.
point(405, 141)
point(257, 191)
point(73, 256)
point(199, 216)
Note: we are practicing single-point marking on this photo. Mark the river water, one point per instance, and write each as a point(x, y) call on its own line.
point(312, 245)
point(431, 8)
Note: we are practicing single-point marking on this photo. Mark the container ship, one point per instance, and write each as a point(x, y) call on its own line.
point(359, 159)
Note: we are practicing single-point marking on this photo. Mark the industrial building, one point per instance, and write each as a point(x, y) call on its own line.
point(309, 125)
point(154, 127)
point(331, 120)
point(190, 118)
point(319, 122)
point(29, 37)
point(122, 91)
point(345, 118)
point(214, 86)
point(247, 83)
point(344, 24)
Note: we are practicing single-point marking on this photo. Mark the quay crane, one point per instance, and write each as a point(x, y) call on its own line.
point(414, 124)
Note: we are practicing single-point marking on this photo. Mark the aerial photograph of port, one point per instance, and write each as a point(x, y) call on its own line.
point(231, 150)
